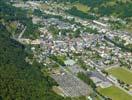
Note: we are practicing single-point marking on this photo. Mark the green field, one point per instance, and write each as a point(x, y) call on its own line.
point(115, 93)
point(122, 74)
point(81, 7)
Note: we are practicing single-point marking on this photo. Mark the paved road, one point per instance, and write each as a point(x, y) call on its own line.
point(21, 34)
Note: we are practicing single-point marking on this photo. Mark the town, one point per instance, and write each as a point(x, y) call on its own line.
point(83, 56)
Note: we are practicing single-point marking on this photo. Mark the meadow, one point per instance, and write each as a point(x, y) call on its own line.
point(122, 74)
point(115, 93)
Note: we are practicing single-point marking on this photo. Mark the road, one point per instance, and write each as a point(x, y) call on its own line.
point(19, 37)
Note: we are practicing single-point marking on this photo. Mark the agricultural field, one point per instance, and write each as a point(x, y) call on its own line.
point(115, 93)
point(44, 6)
point(122, 74)
point(82, 7)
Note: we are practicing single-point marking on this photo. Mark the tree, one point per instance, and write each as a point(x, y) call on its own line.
point(86, 79)
point(106, 73)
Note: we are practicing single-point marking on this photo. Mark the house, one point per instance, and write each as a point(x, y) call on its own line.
point(69, 62)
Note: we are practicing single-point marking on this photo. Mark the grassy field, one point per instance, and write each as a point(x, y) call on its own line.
point(44, 6)
point(114, 93)
point(122, 74)
point(81, 7)
point(128, 27)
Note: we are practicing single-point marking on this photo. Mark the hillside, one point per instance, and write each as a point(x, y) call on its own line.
point(118, 8)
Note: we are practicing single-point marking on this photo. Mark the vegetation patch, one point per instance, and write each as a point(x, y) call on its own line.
point(75, 12)
point(121, 74)
point(114, 93)
point(82, 7)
